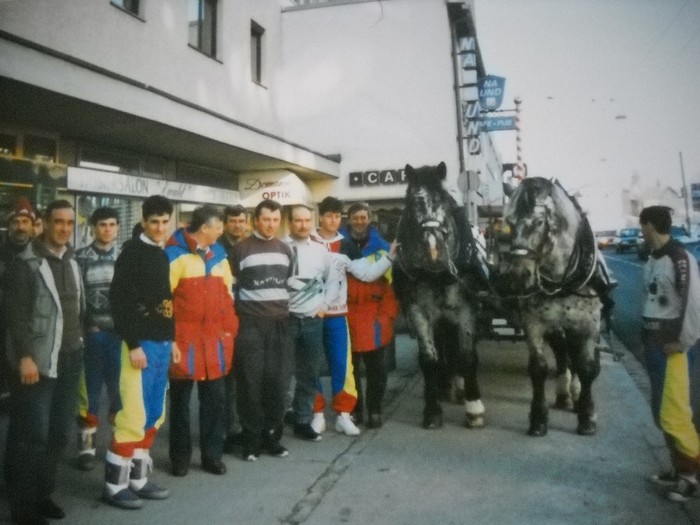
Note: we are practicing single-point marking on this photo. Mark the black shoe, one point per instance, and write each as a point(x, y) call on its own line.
point(214, 466)
point(251, 453)
point(275, 449)
point(180, 468)
point(233, 442)
point(49, 509)
point(374, 421)
point(304, 431)
point(28, 519)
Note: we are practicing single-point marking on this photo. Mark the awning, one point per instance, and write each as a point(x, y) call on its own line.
point(281, 186)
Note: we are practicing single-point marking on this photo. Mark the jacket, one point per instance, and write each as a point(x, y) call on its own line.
point(36, 318)
point(205, 321)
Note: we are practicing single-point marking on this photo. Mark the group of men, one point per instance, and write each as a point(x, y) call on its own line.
point(165, 312)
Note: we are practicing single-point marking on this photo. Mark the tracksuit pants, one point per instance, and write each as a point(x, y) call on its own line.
point(336, 344)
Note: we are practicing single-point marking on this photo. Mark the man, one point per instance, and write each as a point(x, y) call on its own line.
point(372, 309)
point(20, 227)
point(45, 352)
point(262, 264)
point(307, 306)
point(235, 230)
point(102, 344)
point(336, 339)
point(142, 310)
point(670, 332)
point(205, 325)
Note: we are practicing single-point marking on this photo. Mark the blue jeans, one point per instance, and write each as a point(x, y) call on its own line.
point(41, 416)
point(307, 337)
point(103, 352)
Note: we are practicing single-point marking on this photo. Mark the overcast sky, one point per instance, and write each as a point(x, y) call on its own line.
point(609, 87)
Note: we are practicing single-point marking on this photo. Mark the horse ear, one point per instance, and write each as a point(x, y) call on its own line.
point(410, 173)
point(442, 170)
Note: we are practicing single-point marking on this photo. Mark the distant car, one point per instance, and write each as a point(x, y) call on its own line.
point(629, 239)
point(680, 234)
point(605, 239)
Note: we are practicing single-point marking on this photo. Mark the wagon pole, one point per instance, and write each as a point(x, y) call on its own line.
point(685, 194)
point(519, 169)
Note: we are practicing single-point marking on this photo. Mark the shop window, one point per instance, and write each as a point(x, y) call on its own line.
point(8, 144)
point(256, 49)
point(130, 6)
point(105, 160)
point(39, 148)
point(201, 16)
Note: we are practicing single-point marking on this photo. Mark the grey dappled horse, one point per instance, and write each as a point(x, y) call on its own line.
point(431, 278)
point(552, 267)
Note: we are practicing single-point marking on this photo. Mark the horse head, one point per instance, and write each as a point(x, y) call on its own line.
point(543, 221)
point(427, 230)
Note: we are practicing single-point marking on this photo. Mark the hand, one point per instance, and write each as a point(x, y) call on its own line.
point(321, 314)
point(28, 371)
point(672, 348)
point(176, 354)
point(393, 250)
point(138, 358)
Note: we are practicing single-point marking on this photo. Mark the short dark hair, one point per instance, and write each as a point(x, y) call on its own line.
point(234, 211)
point(156, 205)
point(358, 206)
point(290, 212)
point(60, 204)
point(658, 216)
point(102, 214)
point(201, 216)
point(330, 204)
point(268, 204)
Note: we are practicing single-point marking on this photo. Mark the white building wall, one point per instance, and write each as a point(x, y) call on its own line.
point(374, 82)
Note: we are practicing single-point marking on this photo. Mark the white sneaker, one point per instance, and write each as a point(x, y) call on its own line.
point(318, 423)
point(345, 425)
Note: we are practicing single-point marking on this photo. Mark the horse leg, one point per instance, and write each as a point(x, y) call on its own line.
point(430, 365)
point(564, 400)
point(467, 364)
point(587, 368)
point(538, 370)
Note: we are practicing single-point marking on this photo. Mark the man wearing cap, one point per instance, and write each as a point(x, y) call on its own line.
point(45, 352)
point(20, 230)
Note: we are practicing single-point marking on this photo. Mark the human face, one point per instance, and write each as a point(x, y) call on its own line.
point(20, 229)
point(236, 226)
point(268, 222)
point(300, 223)
point(329, 223)
point(212, 230)
point(38, 226)
point(359, 222)
point(106, 231)
point(59, 228)
point(155, 227)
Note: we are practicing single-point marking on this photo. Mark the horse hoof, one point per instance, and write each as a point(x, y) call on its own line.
point(474, 421)
point(431, 422)
point(564, 402)
point(538, 430)
point(587, 428)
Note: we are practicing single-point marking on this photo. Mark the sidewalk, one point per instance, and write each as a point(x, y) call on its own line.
point(402, 474)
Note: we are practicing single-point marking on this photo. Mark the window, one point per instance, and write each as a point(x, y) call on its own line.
point(256, 43)
point(131, 6)
point(39, 148)
point(201, 16)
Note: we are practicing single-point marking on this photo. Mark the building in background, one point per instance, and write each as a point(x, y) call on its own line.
point(226, 101)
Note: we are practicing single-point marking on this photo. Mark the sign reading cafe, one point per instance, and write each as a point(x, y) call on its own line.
point(377, 177)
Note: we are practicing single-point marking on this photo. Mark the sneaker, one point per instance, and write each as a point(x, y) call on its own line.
point(683, 490)
point(318, 423)
point(124, 499)
point(152, 491)
point(344, 425)
point(274, 448)
point(86, 461)
point(305, 431)
point(250, 453)
point(666, 478)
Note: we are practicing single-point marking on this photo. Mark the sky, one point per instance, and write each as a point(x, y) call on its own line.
point(609, 88)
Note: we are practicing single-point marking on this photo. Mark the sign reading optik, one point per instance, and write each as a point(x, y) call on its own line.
point(491, 90)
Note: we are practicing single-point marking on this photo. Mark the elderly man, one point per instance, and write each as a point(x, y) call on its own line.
point(46, 358)
point(205, 325)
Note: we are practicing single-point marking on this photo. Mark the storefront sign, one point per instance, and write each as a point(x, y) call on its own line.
point(491, 90)
point(498, 123)
point(108, 183)
point(377, 177)
point(471, 117)
point(283, 186)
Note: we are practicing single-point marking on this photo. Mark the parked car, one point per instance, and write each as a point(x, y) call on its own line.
point(605, 239)
point(629, 239)
point(680, 234)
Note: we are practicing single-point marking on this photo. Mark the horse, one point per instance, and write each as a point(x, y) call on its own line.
point(553, 270)
point(432, 277)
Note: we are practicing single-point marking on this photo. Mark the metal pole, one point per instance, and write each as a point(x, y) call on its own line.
point(685, 193)
point(519, 169)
